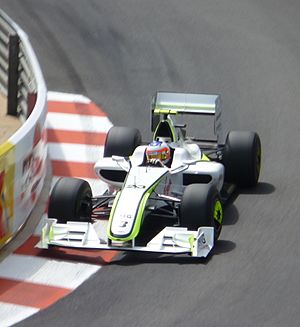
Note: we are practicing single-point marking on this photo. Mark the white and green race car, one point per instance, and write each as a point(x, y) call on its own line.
point(165, 209)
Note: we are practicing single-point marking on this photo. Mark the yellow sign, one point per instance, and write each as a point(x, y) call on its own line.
point(7, 177)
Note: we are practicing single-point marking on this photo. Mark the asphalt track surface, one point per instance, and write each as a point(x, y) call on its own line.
point(119, 53)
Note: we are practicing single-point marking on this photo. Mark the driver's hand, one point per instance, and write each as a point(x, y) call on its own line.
point(156, 163)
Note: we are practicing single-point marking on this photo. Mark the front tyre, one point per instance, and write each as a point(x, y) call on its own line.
point(200, 207)
point(70, 200)
point(242, 158)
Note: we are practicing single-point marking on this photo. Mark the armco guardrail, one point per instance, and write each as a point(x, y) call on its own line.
point(16, 74)
point(23, 155)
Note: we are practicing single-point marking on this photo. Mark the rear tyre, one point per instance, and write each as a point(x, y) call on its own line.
point(201, 206)
point(242, 158)
point(70, 200)
point(122, 141)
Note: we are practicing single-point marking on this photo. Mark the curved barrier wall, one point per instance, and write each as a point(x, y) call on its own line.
point(23, 155)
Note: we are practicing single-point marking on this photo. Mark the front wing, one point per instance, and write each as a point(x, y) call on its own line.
point(84, 235)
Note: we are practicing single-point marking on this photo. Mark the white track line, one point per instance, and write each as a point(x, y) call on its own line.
point(75, 152)
point(13, 313)
point(78, 123)
point(67, 97)
point(46, 271)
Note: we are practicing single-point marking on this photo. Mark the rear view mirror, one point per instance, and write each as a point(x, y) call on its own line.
point(117, 158)
point(122, 162)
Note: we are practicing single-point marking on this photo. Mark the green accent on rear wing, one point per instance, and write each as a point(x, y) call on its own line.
point(158, 111)
point(171, 127)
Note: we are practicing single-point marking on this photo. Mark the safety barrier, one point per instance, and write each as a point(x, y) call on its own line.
point(23, 156)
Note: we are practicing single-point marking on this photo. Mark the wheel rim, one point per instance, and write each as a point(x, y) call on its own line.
point(217, 216)
point(257, 161)
point(85, 207)
point(218, 212)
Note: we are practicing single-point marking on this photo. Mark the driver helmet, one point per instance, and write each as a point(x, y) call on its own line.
point(158, 150)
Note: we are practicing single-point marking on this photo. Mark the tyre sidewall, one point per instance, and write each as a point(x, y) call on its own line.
point(121, 141)
point(198, 205)
point(70, 200)
point(242, 158)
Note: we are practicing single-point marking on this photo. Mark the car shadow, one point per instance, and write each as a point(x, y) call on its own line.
point(223, 246)
point(134, 258)
point(262, 188)
point(138, 258)
point(231, 214)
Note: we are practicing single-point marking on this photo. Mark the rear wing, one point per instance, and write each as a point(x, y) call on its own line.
point(166, 103)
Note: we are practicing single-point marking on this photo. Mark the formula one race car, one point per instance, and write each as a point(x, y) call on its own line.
point(166, 197)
